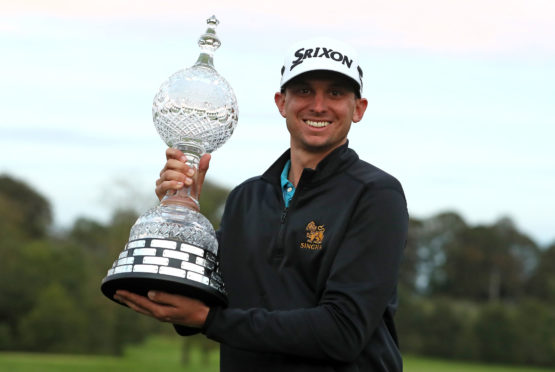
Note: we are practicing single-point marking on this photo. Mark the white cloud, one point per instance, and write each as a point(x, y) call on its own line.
point(455, 26)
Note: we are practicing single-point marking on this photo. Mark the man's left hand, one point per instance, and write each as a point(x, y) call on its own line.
point(166, 307)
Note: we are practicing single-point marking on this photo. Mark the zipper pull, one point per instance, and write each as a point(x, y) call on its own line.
point(283, 215)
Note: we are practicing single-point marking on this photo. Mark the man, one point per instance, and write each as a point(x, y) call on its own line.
point(310, 250)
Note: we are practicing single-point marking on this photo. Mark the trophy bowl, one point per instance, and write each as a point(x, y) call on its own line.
point(173, 247)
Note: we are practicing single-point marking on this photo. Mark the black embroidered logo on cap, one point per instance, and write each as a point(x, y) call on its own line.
point(319, 52)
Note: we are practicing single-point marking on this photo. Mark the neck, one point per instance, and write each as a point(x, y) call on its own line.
point(301, 159)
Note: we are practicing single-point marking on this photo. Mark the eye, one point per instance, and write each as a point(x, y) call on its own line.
point(336, 92)
point(300, 89)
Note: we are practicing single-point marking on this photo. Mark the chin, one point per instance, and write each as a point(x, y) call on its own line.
point(317, 147)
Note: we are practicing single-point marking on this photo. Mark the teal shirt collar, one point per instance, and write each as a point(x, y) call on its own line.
point(287, 187)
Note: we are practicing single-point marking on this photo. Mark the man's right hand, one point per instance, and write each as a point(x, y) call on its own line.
point(177, 174)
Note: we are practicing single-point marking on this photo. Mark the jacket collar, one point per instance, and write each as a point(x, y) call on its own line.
point(336, 161)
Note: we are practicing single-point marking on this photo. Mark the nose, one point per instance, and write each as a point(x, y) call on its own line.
point(319, 102)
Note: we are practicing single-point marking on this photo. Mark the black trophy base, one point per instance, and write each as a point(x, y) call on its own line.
point(141, 283)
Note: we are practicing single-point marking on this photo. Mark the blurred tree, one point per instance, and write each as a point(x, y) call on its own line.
point(197, 343)
point(444, 327)
point(33, 209)
point(30, 268)
point(411, 321)
point(486, 263)
point(56, 323)
point(212, 201)
point(11, 222)
point(496, 333)
point(91, 236)
point(408, 274)
point(425, 250)
point(542, 282)
point(522, 249)
point(534, 331)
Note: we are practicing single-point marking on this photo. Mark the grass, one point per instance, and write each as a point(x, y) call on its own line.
point(163, 354)
point(156, 354)
point(419, 364)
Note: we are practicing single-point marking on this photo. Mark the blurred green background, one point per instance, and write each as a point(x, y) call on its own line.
point(469, 293)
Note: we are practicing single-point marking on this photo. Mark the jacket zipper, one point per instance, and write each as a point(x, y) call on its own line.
point(280, 251)
point(278, 255)
point(284, 215)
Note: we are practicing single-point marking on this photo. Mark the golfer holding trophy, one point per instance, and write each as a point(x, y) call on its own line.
point(309, 251)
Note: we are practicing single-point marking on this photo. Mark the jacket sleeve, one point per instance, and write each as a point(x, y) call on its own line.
point(361, 283)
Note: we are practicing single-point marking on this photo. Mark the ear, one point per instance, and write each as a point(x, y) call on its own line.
point(279, 99)
point(360, 107)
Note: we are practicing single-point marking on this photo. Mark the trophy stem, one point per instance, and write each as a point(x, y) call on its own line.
point(187, 196)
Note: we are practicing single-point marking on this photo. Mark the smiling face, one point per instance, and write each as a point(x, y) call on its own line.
point(319, 108)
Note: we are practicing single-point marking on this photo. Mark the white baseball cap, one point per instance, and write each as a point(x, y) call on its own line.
point(321, 54)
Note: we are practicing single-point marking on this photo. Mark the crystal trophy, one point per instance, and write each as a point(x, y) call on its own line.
point(173, 247)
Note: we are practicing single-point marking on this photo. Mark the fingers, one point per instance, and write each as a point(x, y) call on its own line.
point(178, 166)
point(180, 309)
point(166, 307)
point(177, 174)
point(172, 153)
point(147, 306)
point(163, 298)
point(133, 301)
point(172, 180)
point(203, 165)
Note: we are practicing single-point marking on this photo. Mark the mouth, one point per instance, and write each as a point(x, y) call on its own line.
point(317, 124)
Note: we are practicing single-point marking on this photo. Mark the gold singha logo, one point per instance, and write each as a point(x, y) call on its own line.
point(314, 236)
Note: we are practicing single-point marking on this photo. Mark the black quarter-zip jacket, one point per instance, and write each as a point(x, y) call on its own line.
point(312, 287)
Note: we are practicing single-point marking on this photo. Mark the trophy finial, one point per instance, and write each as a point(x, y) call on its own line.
point(209, 41)
point(213, 21)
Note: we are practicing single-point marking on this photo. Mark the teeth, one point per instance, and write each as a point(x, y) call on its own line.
point(318, 124)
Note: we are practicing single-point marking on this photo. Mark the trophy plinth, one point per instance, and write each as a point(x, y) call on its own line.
point(173, 247)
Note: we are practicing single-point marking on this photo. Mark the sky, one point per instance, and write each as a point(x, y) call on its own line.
point(461, 97)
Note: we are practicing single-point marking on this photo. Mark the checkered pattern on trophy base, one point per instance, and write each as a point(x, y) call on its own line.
point(166, 265)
